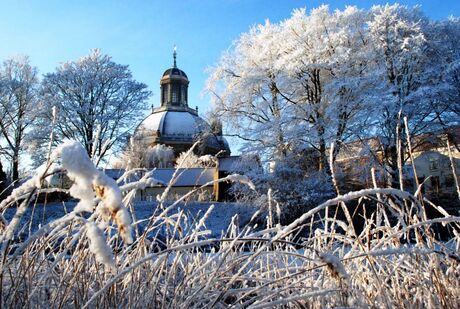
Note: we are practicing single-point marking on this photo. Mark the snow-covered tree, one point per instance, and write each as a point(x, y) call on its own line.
point(444, 43)
point(94, 94)
point(244, 87)
point(19, 105)
point(324, 57)
point(294, 84)
point(326, 77)
point(402, 75)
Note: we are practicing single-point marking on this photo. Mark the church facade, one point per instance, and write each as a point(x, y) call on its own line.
point(177, 125)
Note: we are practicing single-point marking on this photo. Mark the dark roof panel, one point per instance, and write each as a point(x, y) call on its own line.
point(174, 71)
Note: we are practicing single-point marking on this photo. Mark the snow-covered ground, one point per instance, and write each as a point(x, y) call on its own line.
point(217, 221)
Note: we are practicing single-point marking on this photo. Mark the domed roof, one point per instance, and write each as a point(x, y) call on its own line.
point(174, 71)
point(180, 128)
point(179, 124)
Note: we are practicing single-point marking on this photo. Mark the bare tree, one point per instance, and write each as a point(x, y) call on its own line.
point(18, 107)
point(97, 101)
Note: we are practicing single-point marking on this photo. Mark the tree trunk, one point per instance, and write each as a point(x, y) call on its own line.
point(323, 163)
point(3, 183)
point(323, 155)
point(15, 167)
point(392, 159)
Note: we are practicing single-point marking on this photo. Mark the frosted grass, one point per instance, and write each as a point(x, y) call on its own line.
point(80, 259)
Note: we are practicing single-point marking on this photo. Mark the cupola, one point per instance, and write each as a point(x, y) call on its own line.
point(174, 86)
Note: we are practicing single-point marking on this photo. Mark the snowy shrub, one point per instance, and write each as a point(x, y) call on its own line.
point(140, 155)
point(204, 196)
point(294, 183)
point(191, 160)
point(187, 160)
point(297, 190)
point(248, 165)
point(160, 156)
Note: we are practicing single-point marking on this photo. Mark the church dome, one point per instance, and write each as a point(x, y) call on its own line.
point(175, 124)
point(180, 129)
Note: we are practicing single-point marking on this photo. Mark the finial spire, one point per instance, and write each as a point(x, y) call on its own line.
point(174, 55)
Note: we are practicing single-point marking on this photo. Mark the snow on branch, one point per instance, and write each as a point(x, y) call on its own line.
point(90, 183)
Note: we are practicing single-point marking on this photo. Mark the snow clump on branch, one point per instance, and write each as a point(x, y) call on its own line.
point(90, 183)
point(334, 265)
point(98, 246)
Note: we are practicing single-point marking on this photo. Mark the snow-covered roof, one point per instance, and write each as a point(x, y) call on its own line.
point(228, 163)
point(171, 123)
point(152, 122)
point(186, 177)
point(114, 173)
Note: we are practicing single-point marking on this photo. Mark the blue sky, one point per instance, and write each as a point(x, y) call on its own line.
point(142, 33)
